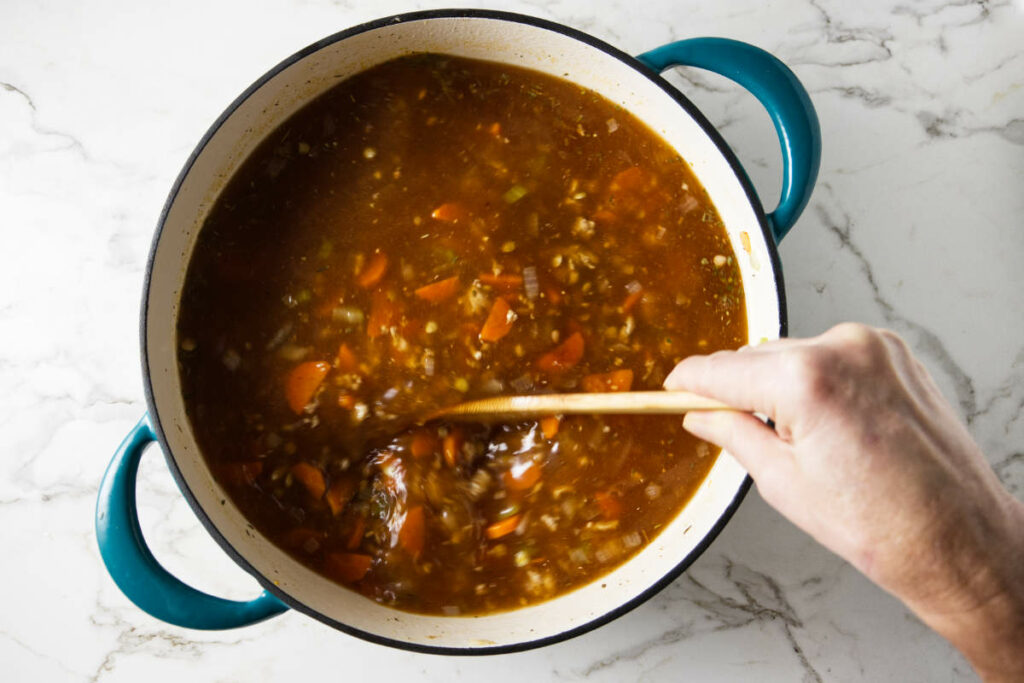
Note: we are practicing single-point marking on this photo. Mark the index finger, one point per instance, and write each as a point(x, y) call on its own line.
point(752, 379)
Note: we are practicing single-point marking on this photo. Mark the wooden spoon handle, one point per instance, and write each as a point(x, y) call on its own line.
point(617, 403)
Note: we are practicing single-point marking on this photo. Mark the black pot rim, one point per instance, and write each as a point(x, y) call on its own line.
point(179, 479)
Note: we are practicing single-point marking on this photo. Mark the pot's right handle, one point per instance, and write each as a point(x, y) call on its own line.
point(137, 573)
point(786, 100)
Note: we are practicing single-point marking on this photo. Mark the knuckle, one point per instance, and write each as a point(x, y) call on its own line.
point(852, 334)
point(811, 371)
point(859, 344)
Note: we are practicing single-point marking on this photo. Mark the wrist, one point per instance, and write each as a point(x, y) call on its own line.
point(981, 612)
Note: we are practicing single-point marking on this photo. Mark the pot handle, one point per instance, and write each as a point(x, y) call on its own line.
point(786, 100)
point(134, 569)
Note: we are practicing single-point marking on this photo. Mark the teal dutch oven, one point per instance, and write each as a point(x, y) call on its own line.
point(632, 82)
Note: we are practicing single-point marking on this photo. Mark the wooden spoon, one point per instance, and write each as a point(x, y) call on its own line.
point(511, 408)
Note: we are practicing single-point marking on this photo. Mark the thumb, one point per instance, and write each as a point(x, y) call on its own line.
point(753, 443)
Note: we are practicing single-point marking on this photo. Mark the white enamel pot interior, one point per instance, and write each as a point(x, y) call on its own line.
point(499, 37)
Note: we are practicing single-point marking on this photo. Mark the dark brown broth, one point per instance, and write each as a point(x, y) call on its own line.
point(445, 168)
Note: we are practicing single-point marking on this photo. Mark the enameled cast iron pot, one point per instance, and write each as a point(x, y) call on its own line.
point(631, 82)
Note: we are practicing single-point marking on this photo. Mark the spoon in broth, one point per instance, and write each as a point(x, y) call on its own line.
point(513, 408)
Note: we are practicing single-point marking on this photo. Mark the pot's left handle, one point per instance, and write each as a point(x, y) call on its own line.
point(138, 574)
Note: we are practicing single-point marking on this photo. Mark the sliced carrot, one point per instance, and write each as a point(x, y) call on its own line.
point(503, 527)
point(349, 567)
point(413, 531)
point(439, 291)
point(302, 383)
point(503, 282)
point(631, 300)
point(549, 426)
point(340, 494)
point(499, 321)
point(616, 380)
point(424, 443)
point(522, 478)
point(346, 361)
point(346, 401)
point(239, 473)
point(373, 271)
point(452, 446)
point(311, 477)
point(605, 216)
point(629, 180)
point(564, 356)
point(384, 313)
point(355, 537)
point(610, 506)
point(450, 212)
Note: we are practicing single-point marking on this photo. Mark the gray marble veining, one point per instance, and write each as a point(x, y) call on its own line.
point(915, 225)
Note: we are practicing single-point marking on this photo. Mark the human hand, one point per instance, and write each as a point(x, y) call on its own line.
point(869, 458)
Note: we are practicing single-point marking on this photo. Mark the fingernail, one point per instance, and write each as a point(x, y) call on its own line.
point(697, 421)
point(673, 381)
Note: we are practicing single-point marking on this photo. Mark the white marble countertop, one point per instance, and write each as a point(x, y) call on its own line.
point(915, 224)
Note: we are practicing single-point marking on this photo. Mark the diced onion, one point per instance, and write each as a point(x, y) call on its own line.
point(347, 314)
point(579, 556)
point(530, 283)
point(522, 384)
point(293, 353)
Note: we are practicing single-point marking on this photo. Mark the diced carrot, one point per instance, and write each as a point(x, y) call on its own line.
point(503, 282)
point(239, 473)
point(373, 270)
point(384, 313)
point(452, 446)
point(413, 531)
point(450, 212)
point(564, 356)
point(346, 401)
point(549, 426)
point(439, 291)
point(302, 383)
point(340, 494)
point(499, 321)
point(424, 443)
point(522, 478)
point(616, 380)
point(349, 567)
point(610, 506)
point(346, 361)
point(553, 295)
point(629, 180)
point(311, 477)
point(631, 300)
point(494, 129)
point(503, 527)
point(355, 537)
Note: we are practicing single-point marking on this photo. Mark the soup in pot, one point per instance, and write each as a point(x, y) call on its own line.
point(433, 230)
